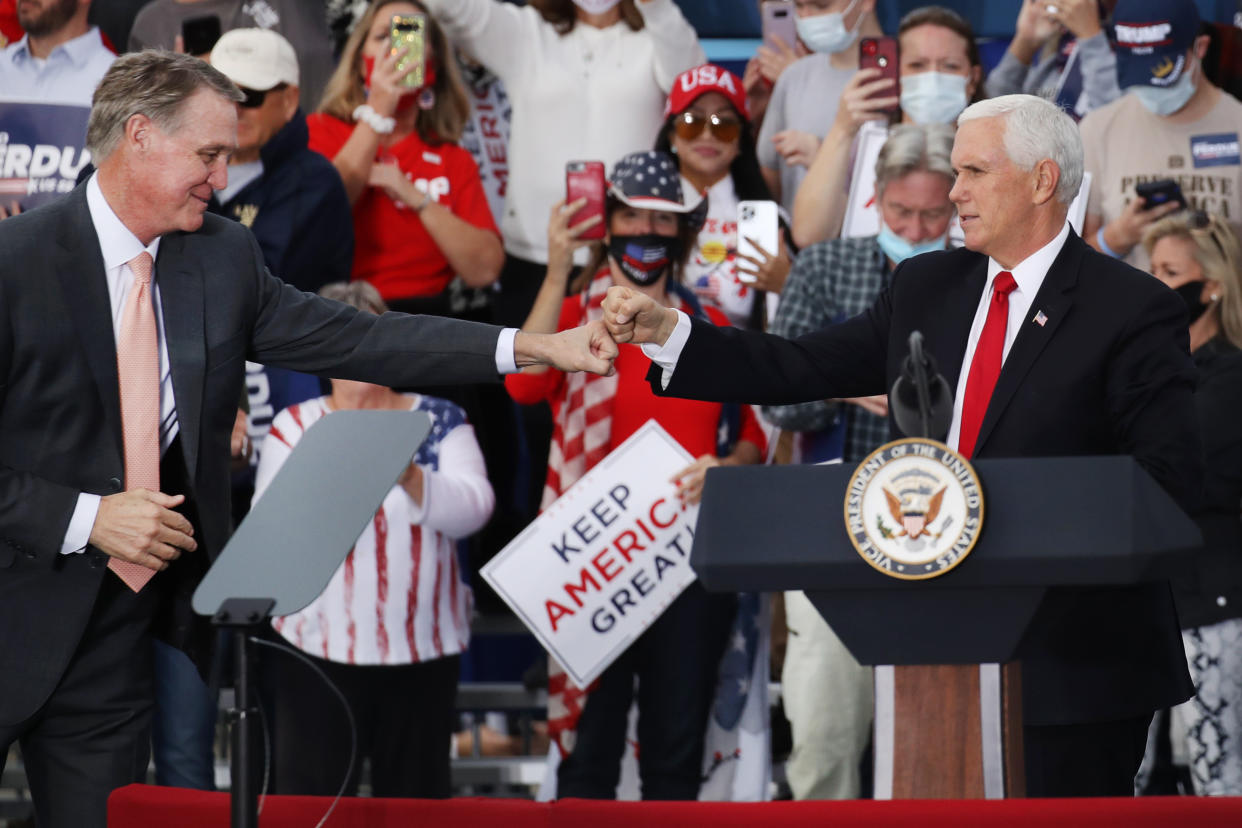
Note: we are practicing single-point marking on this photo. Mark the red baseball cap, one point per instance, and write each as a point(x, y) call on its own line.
point(692, 84)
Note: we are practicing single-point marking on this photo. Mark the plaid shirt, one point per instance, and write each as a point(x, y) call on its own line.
point(830, 282)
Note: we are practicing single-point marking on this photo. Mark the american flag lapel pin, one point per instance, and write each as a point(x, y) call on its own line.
point(1040, 319)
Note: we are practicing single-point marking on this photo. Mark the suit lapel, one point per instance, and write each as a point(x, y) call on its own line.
point(80, 269)
point(946, 334)
point(181, 299)
point(1054, 300)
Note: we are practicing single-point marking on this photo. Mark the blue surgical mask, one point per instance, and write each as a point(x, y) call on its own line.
point(899, 249)
point(1167, 100)
point(826, 33)
point(933, 97)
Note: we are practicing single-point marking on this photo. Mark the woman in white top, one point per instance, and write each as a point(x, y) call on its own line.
point(708, 129)
point(390, 626)
point(587, 80)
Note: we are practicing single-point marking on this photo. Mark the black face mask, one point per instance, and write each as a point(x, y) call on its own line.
point(1190, 294)
point(644, 259)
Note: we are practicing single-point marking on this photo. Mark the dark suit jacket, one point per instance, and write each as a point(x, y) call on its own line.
point(60, 424)
point(1109, 373)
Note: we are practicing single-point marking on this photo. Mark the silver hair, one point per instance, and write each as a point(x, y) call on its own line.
point(912, 148)
point(1036, 129)
point(154, 83)
point(359, 294)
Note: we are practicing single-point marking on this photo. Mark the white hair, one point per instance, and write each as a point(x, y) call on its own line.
point(1036, 129)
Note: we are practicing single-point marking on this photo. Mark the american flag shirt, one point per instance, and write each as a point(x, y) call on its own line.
point(399, 597)
point(830, 282)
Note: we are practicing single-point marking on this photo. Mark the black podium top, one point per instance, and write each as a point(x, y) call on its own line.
point(1048, 522)
point(1054, 521)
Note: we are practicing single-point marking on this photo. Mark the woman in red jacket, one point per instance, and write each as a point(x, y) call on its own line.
point(649, 230)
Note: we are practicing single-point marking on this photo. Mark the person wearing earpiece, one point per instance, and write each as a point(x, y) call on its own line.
point(1172, 123)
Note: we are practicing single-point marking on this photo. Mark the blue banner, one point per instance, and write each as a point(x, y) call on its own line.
point(41, 151)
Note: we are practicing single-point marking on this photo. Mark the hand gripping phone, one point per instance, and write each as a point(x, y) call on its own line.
point(756, 220)
point(1155, 193)
point(410, 32)
point(585, 179)
point(779, 20)
point(882, 53)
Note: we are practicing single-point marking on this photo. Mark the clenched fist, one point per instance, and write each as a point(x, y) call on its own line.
point(631, 316)
point(585, 348)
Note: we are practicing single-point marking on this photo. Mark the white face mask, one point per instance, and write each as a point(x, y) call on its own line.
point(1170, 99)
point(826, 33)
point(933, 97)
point(595, 6)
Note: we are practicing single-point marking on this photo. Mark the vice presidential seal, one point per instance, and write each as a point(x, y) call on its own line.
point(914, 509)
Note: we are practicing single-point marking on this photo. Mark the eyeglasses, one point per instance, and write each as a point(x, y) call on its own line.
point(255, 97)
point(689, 125)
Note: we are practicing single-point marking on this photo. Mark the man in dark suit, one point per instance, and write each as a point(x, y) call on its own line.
point(1053, 350)
point(75, 650)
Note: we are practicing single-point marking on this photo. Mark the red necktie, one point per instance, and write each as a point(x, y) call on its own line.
point(985, 367)
point(138, 374)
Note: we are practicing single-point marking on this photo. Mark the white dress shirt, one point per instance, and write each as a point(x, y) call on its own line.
point(1029, 274)
point(118, 246)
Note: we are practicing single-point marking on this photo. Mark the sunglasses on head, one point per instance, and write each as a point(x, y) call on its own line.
point(689, 125)
point(1200, 220)
point(255, 98)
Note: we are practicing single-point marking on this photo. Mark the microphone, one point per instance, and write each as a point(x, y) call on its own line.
point(921, 400)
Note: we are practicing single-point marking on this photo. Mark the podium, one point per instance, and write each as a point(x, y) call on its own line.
point(952, 696)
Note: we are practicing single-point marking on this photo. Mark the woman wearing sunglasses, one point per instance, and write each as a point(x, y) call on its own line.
point(650, 221)
point(1198, 255)
point(420, 213)
point(707, 129)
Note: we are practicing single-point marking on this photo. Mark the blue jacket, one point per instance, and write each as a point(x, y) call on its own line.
point(298, 211)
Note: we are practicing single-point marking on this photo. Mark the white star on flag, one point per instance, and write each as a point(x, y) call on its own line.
point(1040, 319)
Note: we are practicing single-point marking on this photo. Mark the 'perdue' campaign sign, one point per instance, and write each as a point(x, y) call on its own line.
point(602, 562)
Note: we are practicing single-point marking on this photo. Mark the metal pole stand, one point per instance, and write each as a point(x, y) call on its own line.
point(241, 616)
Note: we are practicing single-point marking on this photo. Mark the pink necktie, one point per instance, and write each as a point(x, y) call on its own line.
point(985, 367)
point(138, 371)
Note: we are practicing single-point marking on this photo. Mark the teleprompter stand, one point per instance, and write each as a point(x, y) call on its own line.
point(1049, 522)
point(292, 542)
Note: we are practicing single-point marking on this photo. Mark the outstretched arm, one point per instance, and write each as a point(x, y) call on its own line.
point(732, 365)
point(586, 348)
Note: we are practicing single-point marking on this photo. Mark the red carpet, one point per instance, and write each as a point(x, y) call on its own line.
point(139, 806)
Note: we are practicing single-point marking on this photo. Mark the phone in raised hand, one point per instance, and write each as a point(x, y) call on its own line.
point(585, 179)
point(758, 220)
point(779, 18)
point(882, 53)
point(409, 32)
